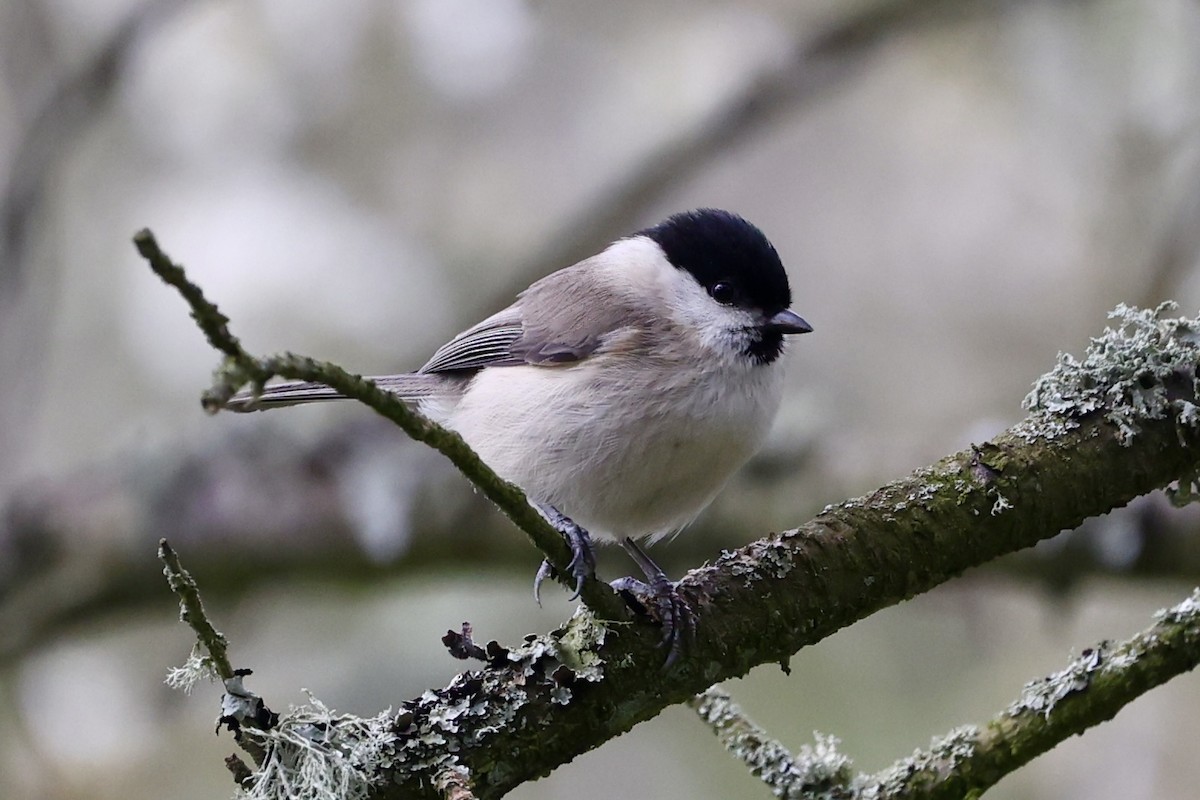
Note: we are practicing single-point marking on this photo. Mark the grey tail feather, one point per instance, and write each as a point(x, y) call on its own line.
point(294, 393)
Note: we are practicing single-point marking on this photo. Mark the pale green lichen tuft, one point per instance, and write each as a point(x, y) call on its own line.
point(1143, 368)
point(196, 669)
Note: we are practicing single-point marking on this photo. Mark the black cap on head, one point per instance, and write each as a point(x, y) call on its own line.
point(718, 247)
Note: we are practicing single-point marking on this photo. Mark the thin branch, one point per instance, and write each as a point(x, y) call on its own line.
point(1090, 690)
point(240, 708)
point(819, 771)
point(191, 611)
point(241, 368)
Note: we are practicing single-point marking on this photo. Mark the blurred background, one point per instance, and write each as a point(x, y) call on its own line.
point(959, 191)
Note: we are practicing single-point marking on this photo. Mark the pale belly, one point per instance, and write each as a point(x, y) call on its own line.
point(615, 467)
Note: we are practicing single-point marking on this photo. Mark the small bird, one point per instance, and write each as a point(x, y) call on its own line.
point(619, 393)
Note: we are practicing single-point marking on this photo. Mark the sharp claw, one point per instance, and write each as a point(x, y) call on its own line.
point(583, 561)
point(662, 600)
point(544, 571)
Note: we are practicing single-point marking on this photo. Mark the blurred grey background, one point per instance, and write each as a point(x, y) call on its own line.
point(959, 190)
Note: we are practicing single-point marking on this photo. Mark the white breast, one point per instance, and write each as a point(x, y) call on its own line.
point(623, 452)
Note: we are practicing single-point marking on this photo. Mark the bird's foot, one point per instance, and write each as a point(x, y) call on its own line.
point(660, 598)
point(583, 559)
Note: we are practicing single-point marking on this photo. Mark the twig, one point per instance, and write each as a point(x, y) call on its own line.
point(1090, 690)
point(240, 708)
point(819, 771)
point(191, 610)
point(241, 368)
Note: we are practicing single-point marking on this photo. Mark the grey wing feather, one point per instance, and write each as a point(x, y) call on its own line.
point(561, 319)
point(488, 344)
point(292, 393)
point(573, 312)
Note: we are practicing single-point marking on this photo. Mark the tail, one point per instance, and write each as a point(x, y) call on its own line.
point(293, 393)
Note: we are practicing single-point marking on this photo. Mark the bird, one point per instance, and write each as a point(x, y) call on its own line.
point(620, 393)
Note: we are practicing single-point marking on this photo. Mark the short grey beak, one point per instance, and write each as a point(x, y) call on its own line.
point(788, 321)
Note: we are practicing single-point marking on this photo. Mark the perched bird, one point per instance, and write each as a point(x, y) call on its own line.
point(622, 391)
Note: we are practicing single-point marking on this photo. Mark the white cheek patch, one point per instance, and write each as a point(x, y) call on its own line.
point(640, 267)
point(719, 328)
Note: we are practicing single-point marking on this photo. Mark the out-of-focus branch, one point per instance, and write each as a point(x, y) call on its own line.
point(44, 128)
point(818, 62)
point(362, 503)
point(1090, 690)
point(70, 105)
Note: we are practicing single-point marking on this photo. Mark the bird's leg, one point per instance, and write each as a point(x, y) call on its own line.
point(661, 595)
point(583, 559)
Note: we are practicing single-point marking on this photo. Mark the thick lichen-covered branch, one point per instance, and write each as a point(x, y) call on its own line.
point(970, 759)
point(241, 368)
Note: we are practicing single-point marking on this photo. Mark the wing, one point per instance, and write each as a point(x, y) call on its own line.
point(488, 344)
point(293, 393)
point(561, 319)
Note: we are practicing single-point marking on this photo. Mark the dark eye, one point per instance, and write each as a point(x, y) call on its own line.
point(724, 293)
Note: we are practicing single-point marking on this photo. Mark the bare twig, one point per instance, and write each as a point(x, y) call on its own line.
point(240, 708)
point(241, 368)
point(191, 610)
point(814, 772)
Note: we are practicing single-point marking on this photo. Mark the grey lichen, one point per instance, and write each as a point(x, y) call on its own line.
point(944, 757)
point(817, 772)
point(432, 730)
point(1043, 694)
point(196, 669)
point(314, 755)
point(1001, 505)
point(1184, 613)
point(1145, 367)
